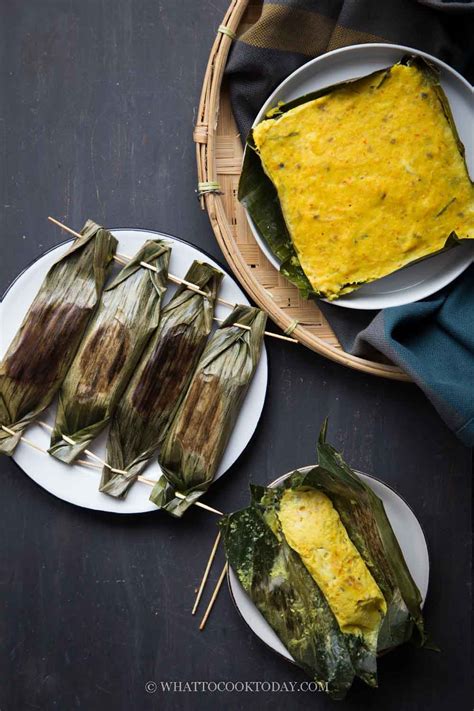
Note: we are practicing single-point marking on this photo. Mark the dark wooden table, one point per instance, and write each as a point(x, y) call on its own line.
point(98, 104)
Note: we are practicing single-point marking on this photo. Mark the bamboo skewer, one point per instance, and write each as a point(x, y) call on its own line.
point(123, 259)
point(100, 463)
point(206, 573)
point(200, 504)
point(92, 455)
point(213, 597)
point(150, 482)
point(267, 333)
point(25, 439)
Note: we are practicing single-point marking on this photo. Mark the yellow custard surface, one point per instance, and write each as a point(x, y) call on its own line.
point(312, 527)
point(369, 178)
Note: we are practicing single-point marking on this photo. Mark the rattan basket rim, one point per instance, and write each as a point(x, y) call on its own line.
point(205, 137)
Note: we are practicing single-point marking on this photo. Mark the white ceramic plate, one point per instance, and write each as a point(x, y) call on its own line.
point(422, 279)
point(78, 484)
point(410, 537)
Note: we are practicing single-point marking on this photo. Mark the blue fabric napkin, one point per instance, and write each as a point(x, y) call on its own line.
point(431, 340)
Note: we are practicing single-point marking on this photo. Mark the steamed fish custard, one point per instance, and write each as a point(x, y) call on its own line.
point(319, 559)
point(313, 528)
point(370, 177)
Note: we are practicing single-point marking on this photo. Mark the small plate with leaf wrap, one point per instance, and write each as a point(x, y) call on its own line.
point(356, 177)
point(330, 569)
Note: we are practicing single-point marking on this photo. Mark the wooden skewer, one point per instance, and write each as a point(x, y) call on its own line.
point(85, 463)
point(267, 333)
point(213, 598)
point(123, 259)
point(200, 504)
point(97, 465)
point(24, 439)
point(150, 482)
point(206, 573)
point(145, 480)
point(90, 454)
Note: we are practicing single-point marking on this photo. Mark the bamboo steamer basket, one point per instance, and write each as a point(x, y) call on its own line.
point(219, 155)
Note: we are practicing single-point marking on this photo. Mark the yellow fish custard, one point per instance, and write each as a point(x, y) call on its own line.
point(313, 528)
point(369, 178)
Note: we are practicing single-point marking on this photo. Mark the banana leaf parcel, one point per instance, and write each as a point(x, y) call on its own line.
point(129, 313)
point(335, 603)
point(352, 182)
point(200, 430)
point(39, 356)
point(161, 379)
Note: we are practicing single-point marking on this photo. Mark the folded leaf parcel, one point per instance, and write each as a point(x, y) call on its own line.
point(318, 557)
point(116, 357)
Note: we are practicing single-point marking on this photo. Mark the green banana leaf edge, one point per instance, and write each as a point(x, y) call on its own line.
point(225, 337)
point(260, 198)
point(275, 578)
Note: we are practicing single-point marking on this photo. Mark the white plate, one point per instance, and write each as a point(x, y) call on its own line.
point(409, 534)
point(422, 279)
point(77, 484)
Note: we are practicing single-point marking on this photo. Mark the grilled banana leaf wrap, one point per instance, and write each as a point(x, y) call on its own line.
point(161, 379)
point(260, 198)
point(280, 585)
point(200, 430)
point(39, 356)
point(128, 315)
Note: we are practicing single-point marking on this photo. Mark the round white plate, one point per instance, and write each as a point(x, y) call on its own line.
point(409, 534)
point(77, 484)
point(422, 279)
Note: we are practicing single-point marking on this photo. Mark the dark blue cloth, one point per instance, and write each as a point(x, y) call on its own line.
point(433, 341)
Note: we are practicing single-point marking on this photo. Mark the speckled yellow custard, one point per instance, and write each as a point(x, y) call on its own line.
point(369, 178)
point(313, 528)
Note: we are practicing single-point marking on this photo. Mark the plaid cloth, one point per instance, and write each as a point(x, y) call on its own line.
point(432, 340)
point(290, 32)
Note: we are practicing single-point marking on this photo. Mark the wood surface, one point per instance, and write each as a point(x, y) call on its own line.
point(98, 104)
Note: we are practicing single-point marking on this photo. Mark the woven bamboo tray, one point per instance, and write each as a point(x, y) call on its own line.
point(219, 159)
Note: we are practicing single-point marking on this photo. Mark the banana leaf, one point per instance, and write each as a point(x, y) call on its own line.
point(39, 356)
point(260, 198)
point(161, 379)
point(128, 314)
point(200, 430)
point(276, 579)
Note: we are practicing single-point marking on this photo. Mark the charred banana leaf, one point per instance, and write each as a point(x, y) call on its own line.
point(39, 356)
point(200, 430)
point(277, 575)
point(129, 313)
point(161, 379)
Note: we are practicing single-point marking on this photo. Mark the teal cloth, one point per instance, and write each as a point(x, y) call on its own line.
point(433, 341)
